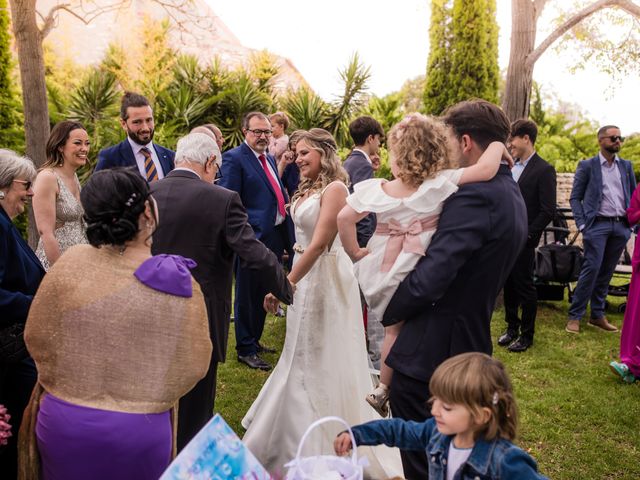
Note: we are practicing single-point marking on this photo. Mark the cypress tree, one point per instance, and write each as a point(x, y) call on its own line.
point(10, 108)
point(436, 92)
point(463, 57)
point(474, 59)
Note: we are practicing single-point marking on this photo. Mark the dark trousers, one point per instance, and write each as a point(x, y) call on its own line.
point(196, 407)
point(409, 399)
point(16, 383)
point(603, 244)
point(249, 314)
point(519, 291)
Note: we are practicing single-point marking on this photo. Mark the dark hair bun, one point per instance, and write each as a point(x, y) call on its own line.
point(113, 201)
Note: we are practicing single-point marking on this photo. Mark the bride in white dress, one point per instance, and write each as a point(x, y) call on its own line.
point(323, 369)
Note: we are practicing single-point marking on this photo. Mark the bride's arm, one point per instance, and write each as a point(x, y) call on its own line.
point(333, 199)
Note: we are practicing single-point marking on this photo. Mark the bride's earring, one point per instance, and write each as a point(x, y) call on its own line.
point(1, 195)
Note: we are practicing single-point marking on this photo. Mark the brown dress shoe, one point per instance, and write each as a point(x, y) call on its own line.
point(604, 324)
point(573, 326)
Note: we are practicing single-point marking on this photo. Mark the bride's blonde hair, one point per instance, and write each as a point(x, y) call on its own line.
point(331, 168)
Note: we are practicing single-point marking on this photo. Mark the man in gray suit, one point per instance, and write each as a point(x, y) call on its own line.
point(208, 224)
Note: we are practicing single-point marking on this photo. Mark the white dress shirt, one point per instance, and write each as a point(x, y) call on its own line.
point(140, 158)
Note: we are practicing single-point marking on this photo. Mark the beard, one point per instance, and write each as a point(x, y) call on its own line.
point(612, 148)
point(134, 136)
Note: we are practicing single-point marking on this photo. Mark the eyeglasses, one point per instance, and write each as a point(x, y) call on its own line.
point(615, 138)
point(218, 175)
point(27, 184)
point(259, 133)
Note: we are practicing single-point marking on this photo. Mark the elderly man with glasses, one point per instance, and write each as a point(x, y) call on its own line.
point(599, 198)
point(208, 224)
point(249, 170)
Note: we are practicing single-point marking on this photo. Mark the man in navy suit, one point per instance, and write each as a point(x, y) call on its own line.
point(448, 299)
point(602, 188)
point(138, 149)
point(249, 170)
point(367, 134)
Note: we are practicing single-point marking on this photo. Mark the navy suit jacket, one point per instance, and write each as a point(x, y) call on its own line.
point(242, 173)
point(121, 155)
point(586, 194)
point(20, 274)
point(359, 169)
point(448, 299)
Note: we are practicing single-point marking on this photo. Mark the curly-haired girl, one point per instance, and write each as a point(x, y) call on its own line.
point(407, 210)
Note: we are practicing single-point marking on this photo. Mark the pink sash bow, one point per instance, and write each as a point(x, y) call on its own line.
point(404, 238)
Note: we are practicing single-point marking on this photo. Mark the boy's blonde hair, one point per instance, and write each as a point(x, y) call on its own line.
point(476, 381)
point(419, 147)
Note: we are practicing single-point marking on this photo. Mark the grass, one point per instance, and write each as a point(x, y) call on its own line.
point(576, 418)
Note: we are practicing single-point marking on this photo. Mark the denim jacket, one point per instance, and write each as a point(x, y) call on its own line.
point(496, 460)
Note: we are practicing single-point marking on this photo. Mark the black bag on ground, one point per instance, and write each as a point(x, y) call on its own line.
point(558, 263)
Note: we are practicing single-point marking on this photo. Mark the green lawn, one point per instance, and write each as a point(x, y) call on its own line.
point(576, 418)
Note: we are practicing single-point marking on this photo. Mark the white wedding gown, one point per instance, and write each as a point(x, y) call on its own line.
point(323, 369)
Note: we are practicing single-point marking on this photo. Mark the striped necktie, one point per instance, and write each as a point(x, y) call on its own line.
point(149, 166)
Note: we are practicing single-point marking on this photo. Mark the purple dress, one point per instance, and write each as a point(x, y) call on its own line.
point(630, 338)
point(77, 443)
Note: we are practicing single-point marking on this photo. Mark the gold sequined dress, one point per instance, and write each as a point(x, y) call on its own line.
point(69, 224)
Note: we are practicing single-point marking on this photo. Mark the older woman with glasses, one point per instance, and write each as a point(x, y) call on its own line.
point(20, 276)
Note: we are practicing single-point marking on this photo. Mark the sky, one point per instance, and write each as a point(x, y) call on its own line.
point(392, 38)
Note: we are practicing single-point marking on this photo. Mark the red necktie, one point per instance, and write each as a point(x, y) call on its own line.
point(274, 185)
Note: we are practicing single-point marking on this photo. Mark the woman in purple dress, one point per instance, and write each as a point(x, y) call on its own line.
point(628, 368)
point(118, 337)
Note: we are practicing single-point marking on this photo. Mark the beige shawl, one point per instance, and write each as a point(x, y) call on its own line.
point(102, 339)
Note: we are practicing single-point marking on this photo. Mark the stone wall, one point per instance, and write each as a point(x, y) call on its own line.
point(565, 182)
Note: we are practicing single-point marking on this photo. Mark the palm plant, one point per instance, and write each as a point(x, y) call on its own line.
point(94, 103)
point(305, 109)
point(355, 77)
point(387, 110)
point(239, 98)
point(187, 71)
point(182, 107)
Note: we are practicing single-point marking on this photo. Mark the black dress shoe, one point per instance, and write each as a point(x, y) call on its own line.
point(265, 349)
point(254, 361)
point(507, 338)
point(520, 345)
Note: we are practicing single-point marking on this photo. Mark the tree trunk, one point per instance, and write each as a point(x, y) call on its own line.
point(34, 92)
point(524, 54)
point(517, 94)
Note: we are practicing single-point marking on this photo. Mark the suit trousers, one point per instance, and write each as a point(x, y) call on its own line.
point(519, 291)
point(603, 244)
point(249, 313)
point(409, 400)
point(196, 407)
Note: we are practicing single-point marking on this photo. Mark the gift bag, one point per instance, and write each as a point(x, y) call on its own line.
point(325, 467)
point(215, 453)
